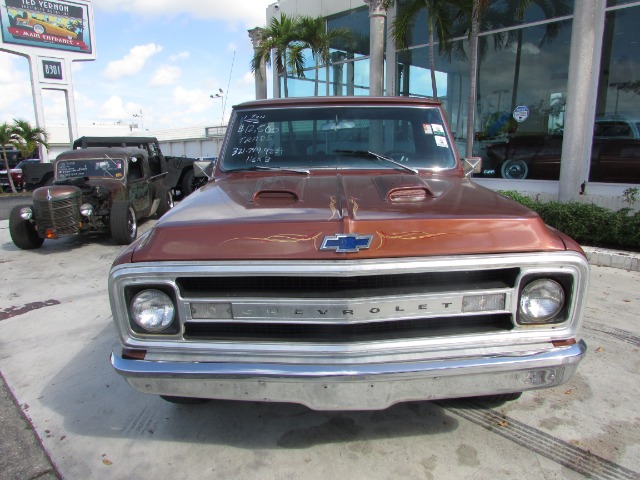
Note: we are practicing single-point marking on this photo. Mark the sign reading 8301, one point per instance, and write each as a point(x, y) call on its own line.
point(52, 70)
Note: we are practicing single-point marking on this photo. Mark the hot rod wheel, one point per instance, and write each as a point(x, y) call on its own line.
point(124, 226)
point(23, 232)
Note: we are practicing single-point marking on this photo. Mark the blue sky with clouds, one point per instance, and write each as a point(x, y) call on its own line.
point(162, 57)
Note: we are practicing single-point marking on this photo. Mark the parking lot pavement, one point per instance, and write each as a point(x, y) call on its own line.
point(56, 336)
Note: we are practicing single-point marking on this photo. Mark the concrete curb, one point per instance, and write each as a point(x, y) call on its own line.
point(603, 257)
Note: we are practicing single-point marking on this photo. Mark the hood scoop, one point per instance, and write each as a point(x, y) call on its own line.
point(278, 189)
point(403, 188)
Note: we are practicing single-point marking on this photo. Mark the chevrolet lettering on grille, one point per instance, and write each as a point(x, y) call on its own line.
point(346, 243)
point(350, 311)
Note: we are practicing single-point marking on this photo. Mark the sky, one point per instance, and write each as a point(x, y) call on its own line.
point(157, 59)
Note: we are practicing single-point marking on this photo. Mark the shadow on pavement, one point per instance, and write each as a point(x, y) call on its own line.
point(94, 401)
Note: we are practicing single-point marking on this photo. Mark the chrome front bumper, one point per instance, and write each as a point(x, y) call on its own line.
point(354, 387)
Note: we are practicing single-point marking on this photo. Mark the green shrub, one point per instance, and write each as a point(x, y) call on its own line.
point(586, 223)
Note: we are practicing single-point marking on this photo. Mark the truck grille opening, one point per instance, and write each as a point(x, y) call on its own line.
point(343, 333)
point(61, 215)
point(345, 287)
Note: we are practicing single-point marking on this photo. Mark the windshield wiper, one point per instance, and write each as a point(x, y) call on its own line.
point(278, 169)
point(371, 155)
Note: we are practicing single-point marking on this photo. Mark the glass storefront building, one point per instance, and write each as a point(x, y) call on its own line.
point(522, 80)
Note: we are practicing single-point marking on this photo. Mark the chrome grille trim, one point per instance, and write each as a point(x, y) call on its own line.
point(61, 215)
point(165, 274)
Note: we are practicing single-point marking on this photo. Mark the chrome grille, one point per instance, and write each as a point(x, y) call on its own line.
point(343, 309)
point(299, 305)
point(61, 215)
point(346, 287)
point(344, 333)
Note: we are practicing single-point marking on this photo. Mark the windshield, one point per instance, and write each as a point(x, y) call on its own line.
point(99, 167)
point(338, 137)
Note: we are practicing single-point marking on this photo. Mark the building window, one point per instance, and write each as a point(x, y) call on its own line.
point(616, 142)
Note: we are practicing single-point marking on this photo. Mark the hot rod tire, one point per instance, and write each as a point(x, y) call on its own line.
point(184, 400)
point(23, 232)
point(166, 201)
point(123, 223)
point(190, 183)
point(514, 169)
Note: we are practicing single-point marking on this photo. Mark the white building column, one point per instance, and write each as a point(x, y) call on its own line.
point(391, 73)
point(377, 14)
point(582, 92)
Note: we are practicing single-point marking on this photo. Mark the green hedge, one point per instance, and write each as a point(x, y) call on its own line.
point(586, 223)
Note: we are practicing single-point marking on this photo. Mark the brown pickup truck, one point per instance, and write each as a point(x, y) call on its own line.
point(341, 259)
point(95, 190)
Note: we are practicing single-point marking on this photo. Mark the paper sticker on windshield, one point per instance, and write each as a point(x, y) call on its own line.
point(427, 129)
point(441, 142)
point(437, 129)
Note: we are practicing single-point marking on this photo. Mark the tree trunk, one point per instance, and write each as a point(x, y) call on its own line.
point(432, 61)
point(516, 75)
point(6, 166)
point(284, 74)
point(317, 69)
point(473, 65)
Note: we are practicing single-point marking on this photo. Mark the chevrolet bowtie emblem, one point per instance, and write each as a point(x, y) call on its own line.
point(346, 243)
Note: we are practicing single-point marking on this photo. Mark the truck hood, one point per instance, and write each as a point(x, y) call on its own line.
point(251, 216)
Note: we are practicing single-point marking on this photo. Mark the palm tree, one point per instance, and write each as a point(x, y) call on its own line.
point(282, 35)
point(8, 136)
point(439, 21)
point(478, 7)
point(315, 37)
point(30, 138)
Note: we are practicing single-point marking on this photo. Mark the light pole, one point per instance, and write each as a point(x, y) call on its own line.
point(141, 117)
point(220, 95)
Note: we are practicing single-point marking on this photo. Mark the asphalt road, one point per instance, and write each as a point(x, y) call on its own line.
point(56, 334)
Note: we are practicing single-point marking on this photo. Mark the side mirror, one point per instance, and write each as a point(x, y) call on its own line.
point(472, 165)
point(203, 168)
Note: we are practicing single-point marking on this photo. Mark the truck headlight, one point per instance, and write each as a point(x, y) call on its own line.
point(26, 213)
point(86, 209)
point(540, 302)
point(152, 310)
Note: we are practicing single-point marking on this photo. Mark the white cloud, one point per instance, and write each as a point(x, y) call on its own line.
point(132, 63)
point(115, 109)
point(16, 89)
point(248, 79)
point(180, 56)
point(251, 13)
point(9, 69)
point(54, 104)
point(232, 47)
point(166, 75)
point(191, 101)
point(83, 100)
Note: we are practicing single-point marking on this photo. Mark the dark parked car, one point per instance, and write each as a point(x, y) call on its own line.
point(95, 189)
point(179, 170)
point(16, 174)
point(615, 160)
